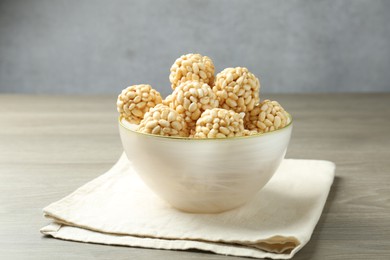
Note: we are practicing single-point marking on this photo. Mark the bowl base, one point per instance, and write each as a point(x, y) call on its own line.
point(207, 210)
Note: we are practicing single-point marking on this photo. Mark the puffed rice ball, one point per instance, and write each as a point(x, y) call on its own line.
point(135, 101)
point(266, 117)
point(192, 67)
point(237, 89)
point(162, 120)
point(219, 123)
point(191, 98)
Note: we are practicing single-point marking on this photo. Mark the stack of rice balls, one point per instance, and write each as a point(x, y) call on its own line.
point(202, 105)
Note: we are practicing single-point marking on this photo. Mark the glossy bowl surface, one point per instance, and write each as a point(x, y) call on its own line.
point(205, 175)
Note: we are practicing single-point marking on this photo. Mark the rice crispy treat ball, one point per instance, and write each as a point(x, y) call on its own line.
point(162, 120)
point(266, 117)
point(219, 123)
point(192, 67)
point(135, 101)
point(237, 89)
point(191, 98)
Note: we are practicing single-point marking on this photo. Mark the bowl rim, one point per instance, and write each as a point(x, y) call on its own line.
point(179, 138)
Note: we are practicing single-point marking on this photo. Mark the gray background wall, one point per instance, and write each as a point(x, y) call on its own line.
point(101, 46)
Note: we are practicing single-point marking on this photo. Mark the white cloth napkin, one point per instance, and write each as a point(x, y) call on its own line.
point(118, 209)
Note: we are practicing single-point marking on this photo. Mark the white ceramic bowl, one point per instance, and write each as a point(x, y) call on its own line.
point(205, 175)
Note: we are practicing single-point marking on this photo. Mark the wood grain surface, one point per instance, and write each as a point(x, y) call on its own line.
point(51, 145)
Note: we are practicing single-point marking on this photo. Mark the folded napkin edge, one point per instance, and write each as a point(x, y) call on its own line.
point(164, 244)
point(313, 160)
point(53, 227)
point(279, 244)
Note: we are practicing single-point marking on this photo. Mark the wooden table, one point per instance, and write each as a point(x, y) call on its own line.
point(51, 145)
